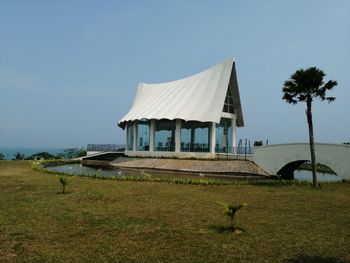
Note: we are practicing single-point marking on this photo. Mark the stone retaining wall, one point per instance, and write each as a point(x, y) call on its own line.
point(193, 166)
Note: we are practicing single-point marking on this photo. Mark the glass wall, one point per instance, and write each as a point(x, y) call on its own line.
point(185, 137)
point(164, 136)
point(195, 136)
point(223, 137)
point(142, 139)
point(129, 136)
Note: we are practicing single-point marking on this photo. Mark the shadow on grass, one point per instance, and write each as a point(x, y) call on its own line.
point(226, 229)
point(315, 259)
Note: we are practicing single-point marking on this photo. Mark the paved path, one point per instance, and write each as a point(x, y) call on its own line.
point(234, 167)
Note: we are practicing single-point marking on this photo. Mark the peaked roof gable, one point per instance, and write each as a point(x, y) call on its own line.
point(199, 97)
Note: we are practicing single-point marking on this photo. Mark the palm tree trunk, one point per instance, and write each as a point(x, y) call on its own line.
point(311, 140)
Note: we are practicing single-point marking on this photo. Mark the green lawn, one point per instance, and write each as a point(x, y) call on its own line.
point(113, 221)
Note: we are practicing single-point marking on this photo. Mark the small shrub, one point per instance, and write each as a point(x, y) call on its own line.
point(64, 181)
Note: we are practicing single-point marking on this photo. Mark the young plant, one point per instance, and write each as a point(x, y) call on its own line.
point(64, 181)
point(231, 210)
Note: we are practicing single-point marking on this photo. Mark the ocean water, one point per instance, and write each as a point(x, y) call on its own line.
point(9, 152)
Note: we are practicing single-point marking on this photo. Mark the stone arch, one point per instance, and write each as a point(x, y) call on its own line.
point(287, 171)
point(282, 158)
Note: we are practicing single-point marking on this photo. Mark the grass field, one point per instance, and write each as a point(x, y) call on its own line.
point(114, 221)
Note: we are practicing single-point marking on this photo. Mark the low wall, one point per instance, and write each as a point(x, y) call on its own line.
point(187, 155)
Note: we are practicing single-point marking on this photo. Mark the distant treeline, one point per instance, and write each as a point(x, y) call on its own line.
point(68, 153)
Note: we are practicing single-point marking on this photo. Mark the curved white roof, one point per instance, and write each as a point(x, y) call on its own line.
point(199, 97)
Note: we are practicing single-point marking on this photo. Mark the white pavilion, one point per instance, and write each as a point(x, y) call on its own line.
point(194, 117)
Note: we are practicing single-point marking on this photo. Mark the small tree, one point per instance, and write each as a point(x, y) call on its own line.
point(2, 156)
point(305, 86)
point(41, 155)
point(231, 210)
point(70, 153)
point(80, 153)
point(59, 156)
point(19, 156)
point(258, 143)
point(64, 181)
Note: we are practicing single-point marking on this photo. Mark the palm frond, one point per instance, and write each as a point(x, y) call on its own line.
point(304, 85)
point(330, 99)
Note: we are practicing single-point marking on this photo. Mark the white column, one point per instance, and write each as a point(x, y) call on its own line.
point(152, 128)
point(234, 134)
point(126, 136)
point(212, 137)
point(135, 135)
point(178, 136)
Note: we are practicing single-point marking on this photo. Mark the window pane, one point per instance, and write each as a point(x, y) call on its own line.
point(195, 136)
point(142, 136)
point(129, 136)
point(164, 136)
point(228, 106)
point(231, 109)
point(185, 136)
point(223, 137)
point(201, 139)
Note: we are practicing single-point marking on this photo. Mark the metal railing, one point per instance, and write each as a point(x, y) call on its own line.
point(195, 148)
point(240, 150)
point(105, 147)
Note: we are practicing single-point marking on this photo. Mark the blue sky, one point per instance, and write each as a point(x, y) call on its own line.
point(69, 69)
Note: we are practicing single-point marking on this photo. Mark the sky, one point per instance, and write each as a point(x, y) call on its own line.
point(69, 69)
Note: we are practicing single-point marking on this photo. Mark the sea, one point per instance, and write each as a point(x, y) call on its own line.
point(9, 152)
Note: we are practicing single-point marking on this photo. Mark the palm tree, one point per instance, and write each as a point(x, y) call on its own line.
point(305, 86)
point(231, 211)
point(65, 181)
